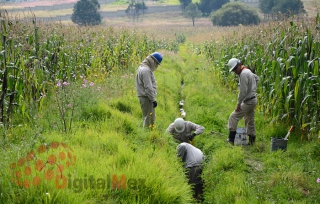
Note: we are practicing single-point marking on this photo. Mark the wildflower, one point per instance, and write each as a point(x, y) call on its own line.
point(318, 180)
point(91, 83)
point(69, 105)
point(99, 88)
point(81, 77)
point(85, 81)
point(59, 84)
point(84, 85)
point(65, 83)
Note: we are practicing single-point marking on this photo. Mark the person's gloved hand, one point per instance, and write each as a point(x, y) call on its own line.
point(192, 136)
point(155, 104)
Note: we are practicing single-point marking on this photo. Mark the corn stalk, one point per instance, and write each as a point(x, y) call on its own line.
point(285, 55)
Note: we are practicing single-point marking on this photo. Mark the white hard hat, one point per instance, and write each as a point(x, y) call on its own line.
point(179, 125)
point(233, 63)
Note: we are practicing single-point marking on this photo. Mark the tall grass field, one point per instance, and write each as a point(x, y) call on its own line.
point(71, 123)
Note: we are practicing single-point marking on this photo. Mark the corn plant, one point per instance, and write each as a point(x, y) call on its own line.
point(285, 55)
point(35, 55)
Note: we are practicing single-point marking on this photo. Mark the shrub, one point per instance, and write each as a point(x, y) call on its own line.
point(233, 14)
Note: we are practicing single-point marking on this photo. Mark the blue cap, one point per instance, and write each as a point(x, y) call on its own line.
point(157, 56)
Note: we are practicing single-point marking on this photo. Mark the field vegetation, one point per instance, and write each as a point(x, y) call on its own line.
point(71, 127)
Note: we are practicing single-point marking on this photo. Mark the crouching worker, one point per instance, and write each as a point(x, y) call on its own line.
point(192, 159)
point(184, 131)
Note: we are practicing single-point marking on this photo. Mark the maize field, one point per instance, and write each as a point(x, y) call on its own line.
point(285, 55)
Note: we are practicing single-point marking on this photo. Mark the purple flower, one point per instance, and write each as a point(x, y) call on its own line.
point(318, 180)
point(59, 83)
point(65, 83)
point(69, 105)
point(91, 83)
point(85, 81)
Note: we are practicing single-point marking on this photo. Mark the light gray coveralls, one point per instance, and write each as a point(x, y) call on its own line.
point(247, 98)
point(147, 89)
point(184, 136)
point(192, 159)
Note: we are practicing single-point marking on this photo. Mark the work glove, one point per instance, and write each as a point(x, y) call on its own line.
point(155, 104)
point(192, 136)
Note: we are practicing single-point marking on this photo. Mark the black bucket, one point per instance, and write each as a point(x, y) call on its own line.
point(278, 143)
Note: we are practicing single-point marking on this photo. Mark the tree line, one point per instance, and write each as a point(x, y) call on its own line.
point(221, 12)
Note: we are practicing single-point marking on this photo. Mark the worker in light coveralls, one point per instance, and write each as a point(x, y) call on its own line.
point(192, 159)
point(184, 131)
point(147, 89)
point(246, 103)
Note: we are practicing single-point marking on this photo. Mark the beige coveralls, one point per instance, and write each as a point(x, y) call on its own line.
point(189, 128)
point(247, 98)
point(147, 89)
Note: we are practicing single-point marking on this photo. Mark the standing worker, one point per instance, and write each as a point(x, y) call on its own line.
point(192, 159)
point(147, 89)
point(247, 101)
point(184, 131)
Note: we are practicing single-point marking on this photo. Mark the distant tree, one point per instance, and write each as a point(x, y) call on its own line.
point(266, 5)
point(192, 11)
point(95, 3)
point(233, 14)
point(85, 12)
point(288, 7)
point(282, 6)
point(135, 9)
point(207, 6)
point(184, 3)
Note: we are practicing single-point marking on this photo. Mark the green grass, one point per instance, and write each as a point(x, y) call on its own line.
point(109, 140)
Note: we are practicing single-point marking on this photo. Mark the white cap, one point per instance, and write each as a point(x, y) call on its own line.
point(233, 63)
point(179, 125)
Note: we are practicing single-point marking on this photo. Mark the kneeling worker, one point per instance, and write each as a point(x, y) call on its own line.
point(184, 131)
point(192, 159)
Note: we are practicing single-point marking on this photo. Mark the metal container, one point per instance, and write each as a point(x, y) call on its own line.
point(241, 137)
point(278, 143)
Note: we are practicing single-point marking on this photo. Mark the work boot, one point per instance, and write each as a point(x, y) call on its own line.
point(232, 135)
point(252, 139)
